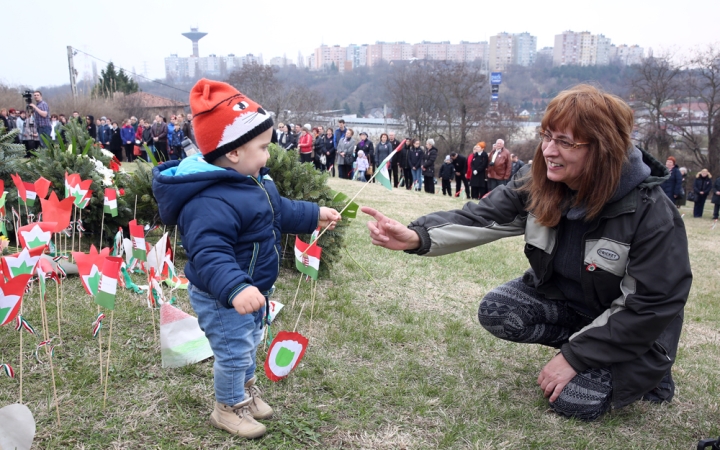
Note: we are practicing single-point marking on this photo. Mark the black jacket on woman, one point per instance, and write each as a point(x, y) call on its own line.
point(329, 150)
point(702, 184)
point(367, 147)
point(415, 157)
point(91, 128)
point(673, 185)
point(429, 162)
point(716, 189)
point(478, 165)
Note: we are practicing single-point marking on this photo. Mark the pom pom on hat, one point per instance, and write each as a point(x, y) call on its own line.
point(224, 119)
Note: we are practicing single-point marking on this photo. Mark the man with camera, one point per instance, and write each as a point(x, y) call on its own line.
point(41, 114)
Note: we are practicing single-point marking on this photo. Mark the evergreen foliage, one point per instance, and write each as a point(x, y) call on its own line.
point(140, 187)
point(297, 181)
point(112, 81)
point(58, 159)
point(10, 154)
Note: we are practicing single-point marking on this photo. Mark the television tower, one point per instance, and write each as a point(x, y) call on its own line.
point(194, 35)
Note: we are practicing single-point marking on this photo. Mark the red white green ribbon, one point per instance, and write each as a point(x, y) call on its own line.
point(43, 344)
point(21, 323)
point(7, 368)
point(97, 325)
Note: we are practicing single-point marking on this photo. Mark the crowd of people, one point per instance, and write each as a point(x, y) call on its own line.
point(126, 139)
point(412, 167)
point(677, 189)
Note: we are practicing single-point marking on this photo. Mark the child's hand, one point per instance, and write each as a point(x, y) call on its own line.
point(328, 216)
point(248, 300)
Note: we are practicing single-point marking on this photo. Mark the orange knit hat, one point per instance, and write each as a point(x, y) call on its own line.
point(224, 119)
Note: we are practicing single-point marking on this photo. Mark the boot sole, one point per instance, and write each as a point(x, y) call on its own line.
point(255, 435)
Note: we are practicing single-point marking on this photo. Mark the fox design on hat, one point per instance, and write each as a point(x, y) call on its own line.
point(224, 119)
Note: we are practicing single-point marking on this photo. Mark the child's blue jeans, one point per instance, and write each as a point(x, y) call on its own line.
point(234, 339)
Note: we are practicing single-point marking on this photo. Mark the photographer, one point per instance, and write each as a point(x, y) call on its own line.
point(41, 114)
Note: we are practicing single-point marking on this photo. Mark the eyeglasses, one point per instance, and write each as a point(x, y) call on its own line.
point(565, 145)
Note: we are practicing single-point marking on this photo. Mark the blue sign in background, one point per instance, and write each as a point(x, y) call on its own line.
point(494, 97)
point(495, 77)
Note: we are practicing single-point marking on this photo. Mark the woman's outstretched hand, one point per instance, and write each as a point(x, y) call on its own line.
point(389, 233)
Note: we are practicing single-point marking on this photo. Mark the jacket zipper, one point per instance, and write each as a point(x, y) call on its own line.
point(277, 255)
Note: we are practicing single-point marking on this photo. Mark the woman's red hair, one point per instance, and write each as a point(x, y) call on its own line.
point(604, 122)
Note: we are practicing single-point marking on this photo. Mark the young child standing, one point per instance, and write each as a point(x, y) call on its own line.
point(231, 218)
point(362, 166)
point(447, 173)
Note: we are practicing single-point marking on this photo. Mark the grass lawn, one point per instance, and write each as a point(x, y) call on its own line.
point(398, 362)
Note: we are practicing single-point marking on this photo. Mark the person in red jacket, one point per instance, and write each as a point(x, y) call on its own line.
point(499, 165)
point(305, 144)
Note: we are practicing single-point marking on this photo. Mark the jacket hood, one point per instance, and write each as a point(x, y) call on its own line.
point(175, 183)
point(658, 172)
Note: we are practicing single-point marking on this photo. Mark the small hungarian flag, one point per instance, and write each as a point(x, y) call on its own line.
point(11, 294)
point(30, 194)
point(78, 188)
point(3, 228)
point(42, 186)
point(383, 176)
point(85, 200)
point(170, 277)
point(105, 296)
point(37, 234)
point(137, 233)
point(20, 185)
point(89, 265)
point(57, 211)
point(286, 351)
point(110, 202)
point(21, 263)
point(309, 263)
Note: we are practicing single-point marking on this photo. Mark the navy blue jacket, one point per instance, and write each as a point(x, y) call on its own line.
point(673, 185)
point(230, 224)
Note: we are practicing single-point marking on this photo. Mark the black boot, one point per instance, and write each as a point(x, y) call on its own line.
point(663, 392)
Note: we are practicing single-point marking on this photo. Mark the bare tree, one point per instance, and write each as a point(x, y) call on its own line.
point(259, 82)
point(415, 97)
point(701, 129)
point(654, 83)
point(462, 103)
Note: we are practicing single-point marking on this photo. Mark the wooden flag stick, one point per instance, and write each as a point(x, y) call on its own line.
point(100, 348)
point(102, 228)
point(299, 316)
point(57, 304)
point(20, 372)
point(17, 225)
point(135, 210)
point(174, 242)
point(72, 246)
point(107, 367)
point(77, 225)
point(152, 311)
point(312, 305)
point(48, 351)
point(297, 290)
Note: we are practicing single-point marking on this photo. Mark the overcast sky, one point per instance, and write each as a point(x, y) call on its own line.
point(139, 35)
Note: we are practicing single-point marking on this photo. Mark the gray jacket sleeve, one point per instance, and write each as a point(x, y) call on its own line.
point(500, 214)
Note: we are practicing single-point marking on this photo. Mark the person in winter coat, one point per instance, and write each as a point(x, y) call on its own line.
point(345, 152)
point(147, 140)
point(476, 171)
point(499, 165)
point(175, 144)
point(403, 163)
point(517, 163)
point(231, 218)
point(362, 166)
point(305, 144)
point(673, 185)
point(90, 126)
point(682, 200)
point(395, 160)
point(139, 140)
point(159, 132)
point(701, 188)
point(608, 253)
point(447, 173)
point(318, 147)
point(716, 198)
point(127, 134)
point(383, 149)
point(368, 148)
point(329, 151)
point(460, 162)
point(116, 142)
point(428, 166)
point(415, 161)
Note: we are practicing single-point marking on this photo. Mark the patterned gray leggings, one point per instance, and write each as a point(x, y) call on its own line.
point(516, 312)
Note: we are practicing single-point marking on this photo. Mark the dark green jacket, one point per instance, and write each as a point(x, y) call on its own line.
point(636, 280)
